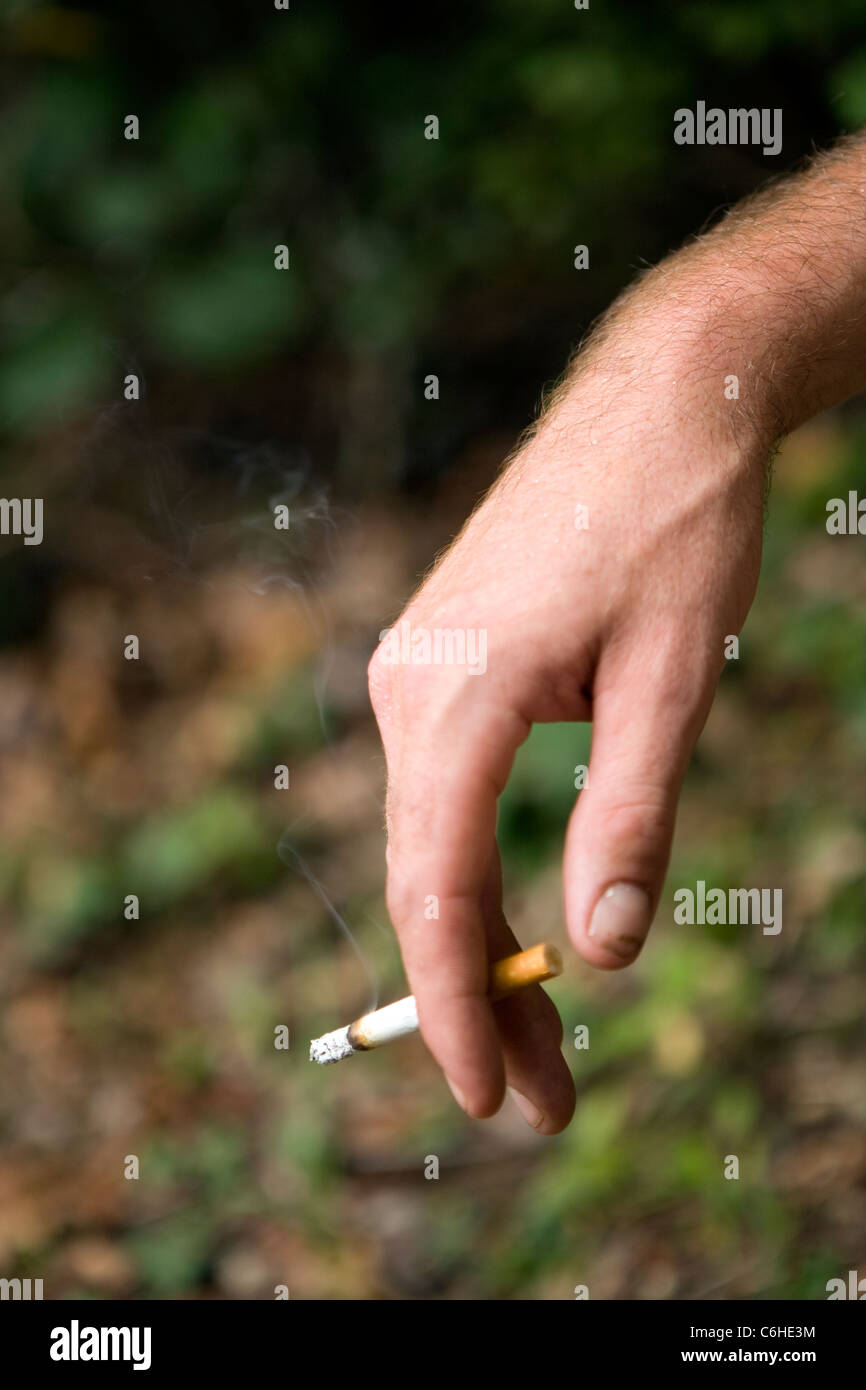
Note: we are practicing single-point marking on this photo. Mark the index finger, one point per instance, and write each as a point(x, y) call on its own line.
point(448, 760)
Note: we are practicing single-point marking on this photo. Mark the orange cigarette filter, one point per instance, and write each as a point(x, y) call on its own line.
point(531, 967)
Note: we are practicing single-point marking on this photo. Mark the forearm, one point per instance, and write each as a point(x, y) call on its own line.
point(761, 321)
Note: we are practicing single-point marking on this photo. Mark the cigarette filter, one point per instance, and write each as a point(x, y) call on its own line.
point(371, 1030)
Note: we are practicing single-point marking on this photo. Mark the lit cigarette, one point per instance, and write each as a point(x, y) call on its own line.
point(514, 972)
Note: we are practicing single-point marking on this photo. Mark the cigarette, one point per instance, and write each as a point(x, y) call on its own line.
point(530, 967)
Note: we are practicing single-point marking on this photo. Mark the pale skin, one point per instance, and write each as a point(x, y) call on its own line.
point(621, 618)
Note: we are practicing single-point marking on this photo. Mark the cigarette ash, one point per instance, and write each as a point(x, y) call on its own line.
point(333, 1047)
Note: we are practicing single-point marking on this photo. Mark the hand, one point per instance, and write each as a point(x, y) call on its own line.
point(605, 569)
point(604, 572)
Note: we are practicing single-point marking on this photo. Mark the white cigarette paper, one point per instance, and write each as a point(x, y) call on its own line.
point(369, 1031)
point(395, 1020)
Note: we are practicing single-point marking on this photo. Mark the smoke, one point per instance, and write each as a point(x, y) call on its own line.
point(144, 502)
point(291, 856)
point(182, 507)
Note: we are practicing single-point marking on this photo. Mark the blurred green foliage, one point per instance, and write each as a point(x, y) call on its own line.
point(306, 128)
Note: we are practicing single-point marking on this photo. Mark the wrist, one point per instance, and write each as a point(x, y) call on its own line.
point(720, 335)
point(776, 295)
point(673, 353)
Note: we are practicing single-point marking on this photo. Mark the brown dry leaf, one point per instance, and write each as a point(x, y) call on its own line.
point(99, 1263)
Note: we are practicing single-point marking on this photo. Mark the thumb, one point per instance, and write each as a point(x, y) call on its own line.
point(619, 836)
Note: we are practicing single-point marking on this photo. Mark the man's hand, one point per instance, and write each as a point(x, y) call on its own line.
point(607, 566)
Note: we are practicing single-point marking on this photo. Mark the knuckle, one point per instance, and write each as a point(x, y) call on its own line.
point(380, 682)
point(643, 821)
